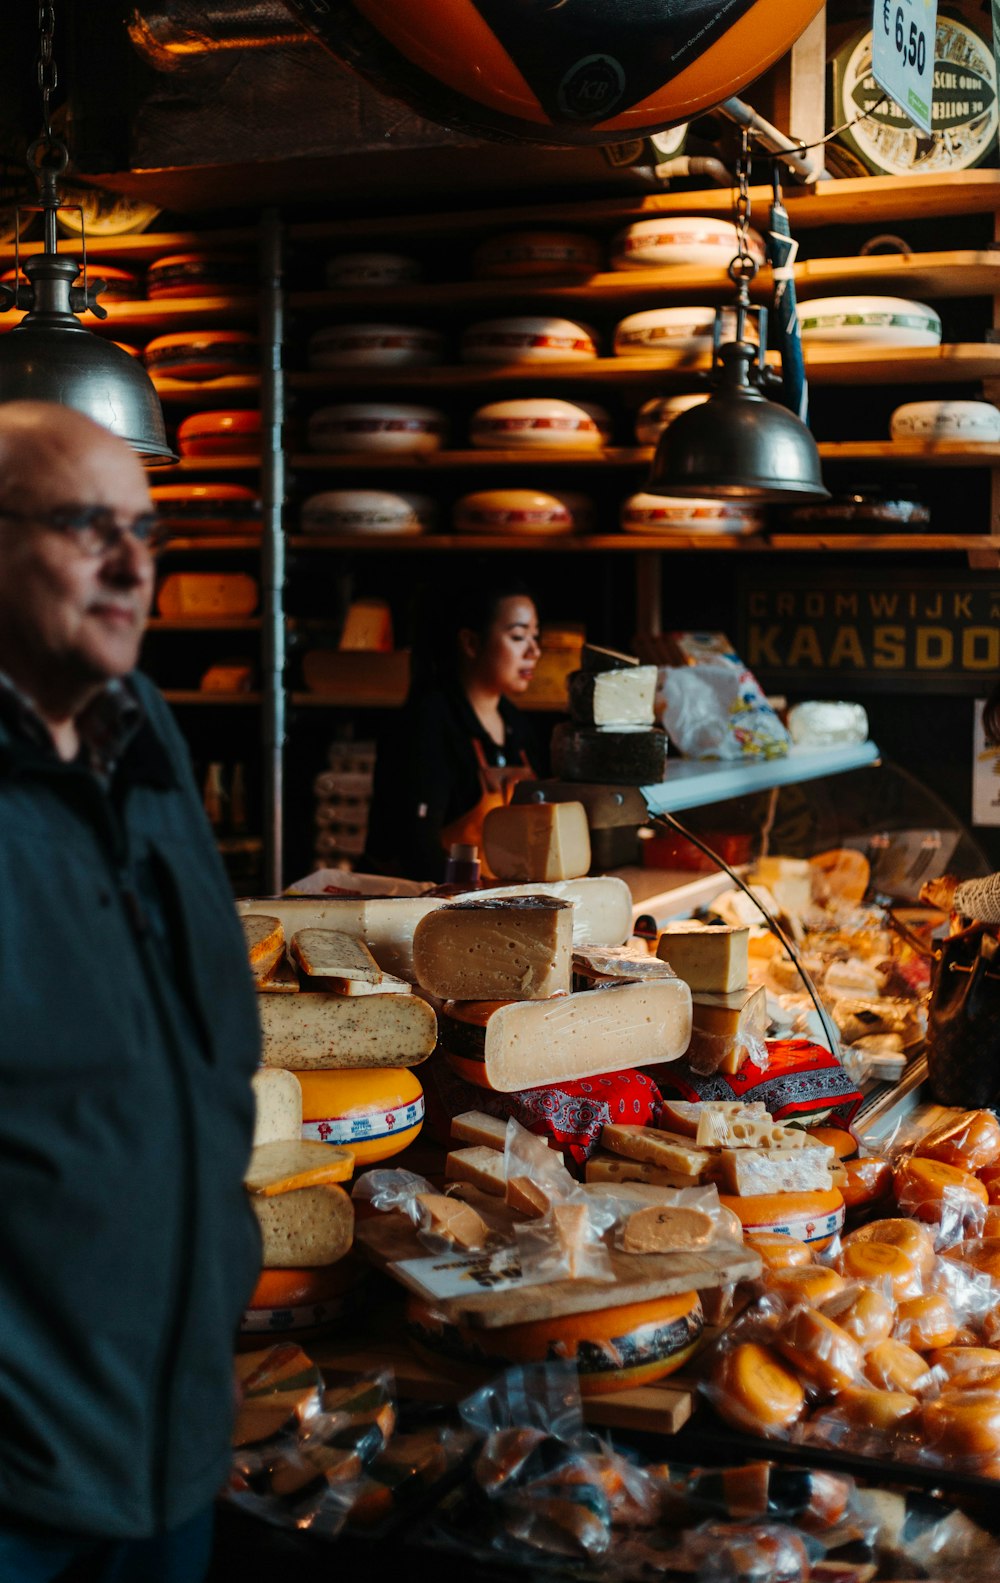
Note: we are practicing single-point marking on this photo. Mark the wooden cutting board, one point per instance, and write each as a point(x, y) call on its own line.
point(390, 1241)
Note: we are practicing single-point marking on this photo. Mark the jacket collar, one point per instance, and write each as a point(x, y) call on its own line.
point(143, 757)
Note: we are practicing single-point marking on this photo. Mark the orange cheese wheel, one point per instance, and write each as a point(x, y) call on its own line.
point(893, 1366)
point(983, 1253)
point(864, 1182)
point(967, 1365)
point(779, 1252)
point(870, 1409)
point(207, 594)
point(924, 1187)
point(990, 1328)
point(208, 508)
point(197, 275)
point(220, 434)
point(883, 1266)
point(614, 1349)
point(820, 1350)
point(969, 1140)
point(990, 1178)
point(963, 1423)
point(373, 1111)
point(926, 1322)
point(202, 354)
point(812, 1283)
point(843, 1143)
point(813, 1218)
point(292, 1302)
point(906, 1234)
point(870, 1317)
point(754, 1390)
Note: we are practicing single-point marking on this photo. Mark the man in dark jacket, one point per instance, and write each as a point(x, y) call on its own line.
point(128, 1034)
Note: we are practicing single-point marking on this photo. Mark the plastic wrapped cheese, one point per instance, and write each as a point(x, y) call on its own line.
point(827, 723)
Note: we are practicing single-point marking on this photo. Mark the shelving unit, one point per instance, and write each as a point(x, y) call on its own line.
point(693, 784)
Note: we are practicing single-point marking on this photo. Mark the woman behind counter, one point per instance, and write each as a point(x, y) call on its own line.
point(460, 744)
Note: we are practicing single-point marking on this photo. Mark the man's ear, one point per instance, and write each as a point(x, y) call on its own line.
point(468, 643)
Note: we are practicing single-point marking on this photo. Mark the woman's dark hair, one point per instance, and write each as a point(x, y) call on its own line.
point(444, 612)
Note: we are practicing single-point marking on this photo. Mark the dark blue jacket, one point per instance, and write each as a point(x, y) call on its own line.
point(128, 1035)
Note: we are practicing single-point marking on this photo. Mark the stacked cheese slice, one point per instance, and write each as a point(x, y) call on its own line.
point(611, 737)
point(729, 1019)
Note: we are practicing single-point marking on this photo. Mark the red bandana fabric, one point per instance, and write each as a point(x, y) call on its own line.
point(801, 1080)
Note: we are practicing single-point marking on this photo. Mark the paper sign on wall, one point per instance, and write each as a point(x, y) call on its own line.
point(903, 34)
point(985, 773)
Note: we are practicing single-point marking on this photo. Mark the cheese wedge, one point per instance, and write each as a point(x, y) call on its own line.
point(726, 1028)
point(278, 1101)
point(596, 964)
point(746, 1132)
point(265, 940)
point(384, 923)
point(602, 905)
point(481, 1166)
point(683, 1115)
point(328, 953)
point(310, 1227)
point(281, 980)
point(518, 948)
point(453, 1220)
point(604, 1168)
point(748, 1172)
point(475, 1126)
point(571, 1230)
point(537, 841)
point(706, 958)
point(285, 1166)
point(311, 1032)
point(388, 984)
point(657, 1148)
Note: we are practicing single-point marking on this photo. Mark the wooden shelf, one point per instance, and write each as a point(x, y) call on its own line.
point(209, 392)
point(233, 845)
point(160, 318)
point(194, 698)
point(911, 453)
point(223, 542)
point(203, 624)
point(636, 543)
point(969, 273)
point(832, 365)
point(143, 247)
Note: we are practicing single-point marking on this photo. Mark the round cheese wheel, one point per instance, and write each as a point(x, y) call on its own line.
point(967, 1365)
point(990, 1328)
point(374, 346)
point(526, 513)
point(969, 1141)
point(869, 321)
point(665, 330)
point(656, 415)
point(377, 426)
point(926, 1187)
point(989, 1175)
point(977, 422)
point(813, 1218)
point(924, 1323)
point(133, 351)
point(868, 1316)
point(532, 253)
point(870, 1409)
point(681, 239)
point(208, 508)
point(820, 1351)
point(754, 1390)
point(893, 1366)
point(535, 423)
point(963, 1423)
point(120, 285)
point(528, 338)
point(201, 355)
point(219, 434)
point(301, 1302)
point(666, 514)
point(906, 1234)
point(864, 1182)
point(883, 1266)
point(373, 1111)
point(843, 1143)
point(811, 1283)
point(367, 511)
point(614, 1349)
point(346, 271)
point(777, 1252)
point(197, 275)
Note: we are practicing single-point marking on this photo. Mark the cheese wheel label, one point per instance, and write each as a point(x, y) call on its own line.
point(256, 1321)
point(367, 1127)
point(806, 1228)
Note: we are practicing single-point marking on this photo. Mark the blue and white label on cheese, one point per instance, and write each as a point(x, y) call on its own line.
point(370, 1125)
point(806, 1228)
point(300, 1317)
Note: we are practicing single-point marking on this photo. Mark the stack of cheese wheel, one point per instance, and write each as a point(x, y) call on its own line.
point(208, 274)
point(377, 426)
point(367, 512)
point(662, 514)
point(120, 285)
point(529, 338)
point(217, 510)
point(538, 423)
point(536, 253)
point(522, 513)
point(208, 434)
point(351, 271)
point(202, 355)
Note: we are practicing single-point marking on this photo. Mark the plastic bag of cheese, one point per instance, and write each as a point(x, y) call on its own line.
point(565, 1240)
point(443, 1224)
point(648, 1219)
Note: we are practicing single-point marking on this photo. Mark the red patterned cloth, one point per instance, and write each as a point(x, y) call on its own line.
point(571, 1114)
point(801, 1080)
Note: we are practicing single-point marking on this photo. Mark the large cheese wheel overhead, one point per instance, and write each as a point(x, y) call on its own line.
point(583, 71)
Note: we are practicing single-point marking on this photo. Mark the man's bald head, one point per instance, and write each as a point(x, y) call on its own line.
point(41, 442)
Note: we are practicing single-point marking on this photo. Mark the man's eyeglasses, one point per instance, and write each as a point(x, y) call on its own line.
point(95, 530)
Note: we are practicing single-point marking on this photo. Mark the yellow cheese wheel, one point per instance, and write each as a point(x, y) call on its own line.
point(779, 1252)
point(893, 1366)
point(297, 1302)
point(883, 1266)
point(373, 1111)
point(812, 1283)
point(924, 1187)
point(755, 1391)
point(207, 594)
point(614, 1349)
point(813, 1218)
point(968, 1140)
point(843, 1143)
point(967, 1365)
point(820, 1351)
point(926, 1322)
point(983, 1253)
point(906, 1234)
point(963, 1423)
point(864, 1182)
point(870, 1409)
point(868, 1316)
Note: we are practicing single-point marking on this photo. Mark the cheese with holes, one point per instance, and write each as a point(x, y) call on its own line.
point(613, 698)
point(475, 1126)
point(716, 1130)
point(657, 1148)
point(753, 1171)
point(454, 1221)
point(265, 940)
point(312, 1226)
point(331, 954)
point(726, 1029)
point(496, 949)
point(534, 1043)
point(373, 1113)
point(283, 1167)
point(537, 841)
point(278, 1102)
point(683, 1115)
point(306, 1032)
point(384, 923)
point(602, 905)
point(604, 1168)
point(715, 959)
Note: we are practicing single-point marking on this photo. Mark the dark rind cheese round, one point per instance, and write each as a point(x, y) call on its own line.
point(614, 1349)
point(203, 354)
point(197, 275)
point(615, 757)
point(300, 1302)
point(208, 508)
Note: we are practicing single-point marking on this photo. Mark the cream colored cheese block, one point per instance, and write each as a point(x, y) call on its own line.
point(745, 1132)
point(747, 1172)
point(305, 1229)
point(613, 698)
point(265, 941)
point(529, 1044)
point(384, 923)
point(666, 1229)
point(310, 1032)
point(387, 985)
point(518, 948)
point(789, 880)
point(331, 954)
point(537, 841)
point(725, 1027)
point(454, 1221)
point(278, 1102)
point(657, 1148)
point(481, 1166)
point(604, 1168)
point(602, 905)
point(283, 1167)
point(706, 958)
point(475, 1126)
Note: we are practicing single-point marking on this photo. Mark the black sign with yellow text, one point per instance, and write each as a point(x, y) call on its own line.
point(839, 631)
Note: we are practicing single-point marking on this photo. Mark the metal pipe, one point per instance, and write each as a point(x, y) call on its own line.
point(770, 138)
point(712, 170)
point(165, 31)
point(272, 549)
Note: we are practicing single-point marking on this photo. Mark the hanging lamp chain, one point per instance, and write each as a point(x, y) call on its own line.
point(744, 266)
point(48, 72)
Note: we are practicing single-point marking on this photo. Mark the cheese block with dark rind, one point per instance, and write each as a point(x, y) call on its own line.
point(619, 756)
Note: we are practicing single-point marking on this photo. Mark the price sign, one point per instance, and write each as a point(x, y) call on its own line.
point(903, 34)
